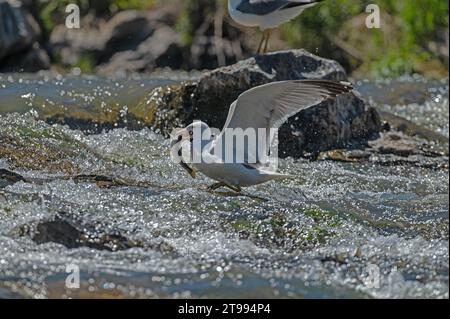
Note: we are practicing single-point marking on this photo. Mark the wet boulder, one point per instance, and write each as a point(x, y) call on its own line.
point(28, 144)
point(395, 148)
point(73, 233)
point(400, 124)
point(343, 122)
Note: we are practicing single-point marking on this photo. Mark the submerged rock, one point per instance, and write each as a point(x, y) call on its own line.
point(74, 231)
point(74, 234)
point(346, 121)
point(394, 148)
point(401, 124)
point(29, 148)
point(8, 178)
point(29, 144)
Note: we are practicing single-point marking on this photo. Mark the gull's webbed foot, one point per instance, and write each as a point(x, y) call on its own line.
point(237, 189)
point(215, 186)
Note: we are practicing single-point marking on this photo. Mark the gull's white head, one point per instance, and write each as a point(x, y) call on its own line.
point(187, 133)
point(199, 131)
point(197, 127)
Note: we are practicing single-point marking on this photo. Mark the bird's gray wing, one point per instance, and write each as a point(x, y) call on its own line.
point(264, 7)
point(270, 105)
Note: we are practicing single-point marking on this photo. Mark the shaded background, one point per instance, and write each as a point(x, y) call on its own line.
point(118, 36)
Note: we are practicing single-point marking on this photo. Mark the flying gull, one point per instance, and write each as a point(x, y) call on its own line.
point(267, 14)
point(265, 108)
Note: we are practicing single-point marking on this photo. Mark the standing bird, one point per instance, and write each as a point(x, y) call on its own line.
point(267, 14)
point(265, 108)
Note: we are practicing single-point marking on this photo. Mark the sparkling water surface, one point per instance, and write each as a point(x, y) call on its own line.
point(320, 235)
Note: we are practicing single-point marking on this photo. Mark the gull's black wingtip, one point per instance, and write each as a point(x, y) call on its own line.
point(347, 85)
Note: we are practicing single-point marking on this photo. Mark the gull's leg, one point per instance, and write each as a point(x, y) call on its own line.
point(237, 189)
point(268, 34)
point(215, 186)
point(261, 43)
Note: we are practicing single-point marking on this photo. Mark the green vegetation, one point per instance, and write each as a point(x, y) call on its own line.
point(86, 63)
point(405, 43)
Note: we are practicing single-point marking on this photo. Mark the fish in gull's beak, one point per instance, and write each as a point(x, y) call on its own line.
point(189, 169)
point(178, 138)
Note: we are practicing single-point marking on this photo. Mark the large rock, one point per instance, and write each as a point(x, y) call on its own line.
point(32, 60)
point(140, 41)
point(162, 49)
point(19, 35)
point(18, 29)
point(344, 122)
point(73, 233)
point(129, 41)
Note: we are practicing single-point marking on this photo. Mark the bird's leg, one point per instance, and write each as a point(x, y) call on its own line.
point(236, 189)
point(215, 186)
point(268, 33)
point(262, 42)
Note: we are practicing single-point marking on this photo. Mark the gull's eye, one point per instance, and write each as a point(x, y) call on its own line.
point(179, 138)
point(191, 133)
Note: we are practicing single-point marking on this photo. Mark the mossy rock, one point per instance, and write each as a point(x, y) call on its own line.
point(34, 145)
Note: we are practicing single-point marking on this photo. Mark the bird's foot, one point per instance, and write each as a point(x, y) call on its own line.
point(237, 189)
point(215, 186)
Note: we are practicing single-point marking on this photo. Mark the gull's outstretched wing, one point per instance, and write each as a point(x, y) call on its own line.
point(270, 105)
point(264, 7)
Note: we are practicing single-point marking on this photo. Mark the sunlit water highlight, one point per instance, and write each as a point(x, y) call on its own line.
point(316, 236)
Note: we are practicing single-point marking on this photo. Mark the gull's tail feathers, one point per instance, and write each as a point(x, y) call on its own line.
point(278, 176)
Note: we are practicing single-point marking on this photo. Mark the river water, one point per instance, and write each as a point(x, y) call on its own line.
point(352, 230)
